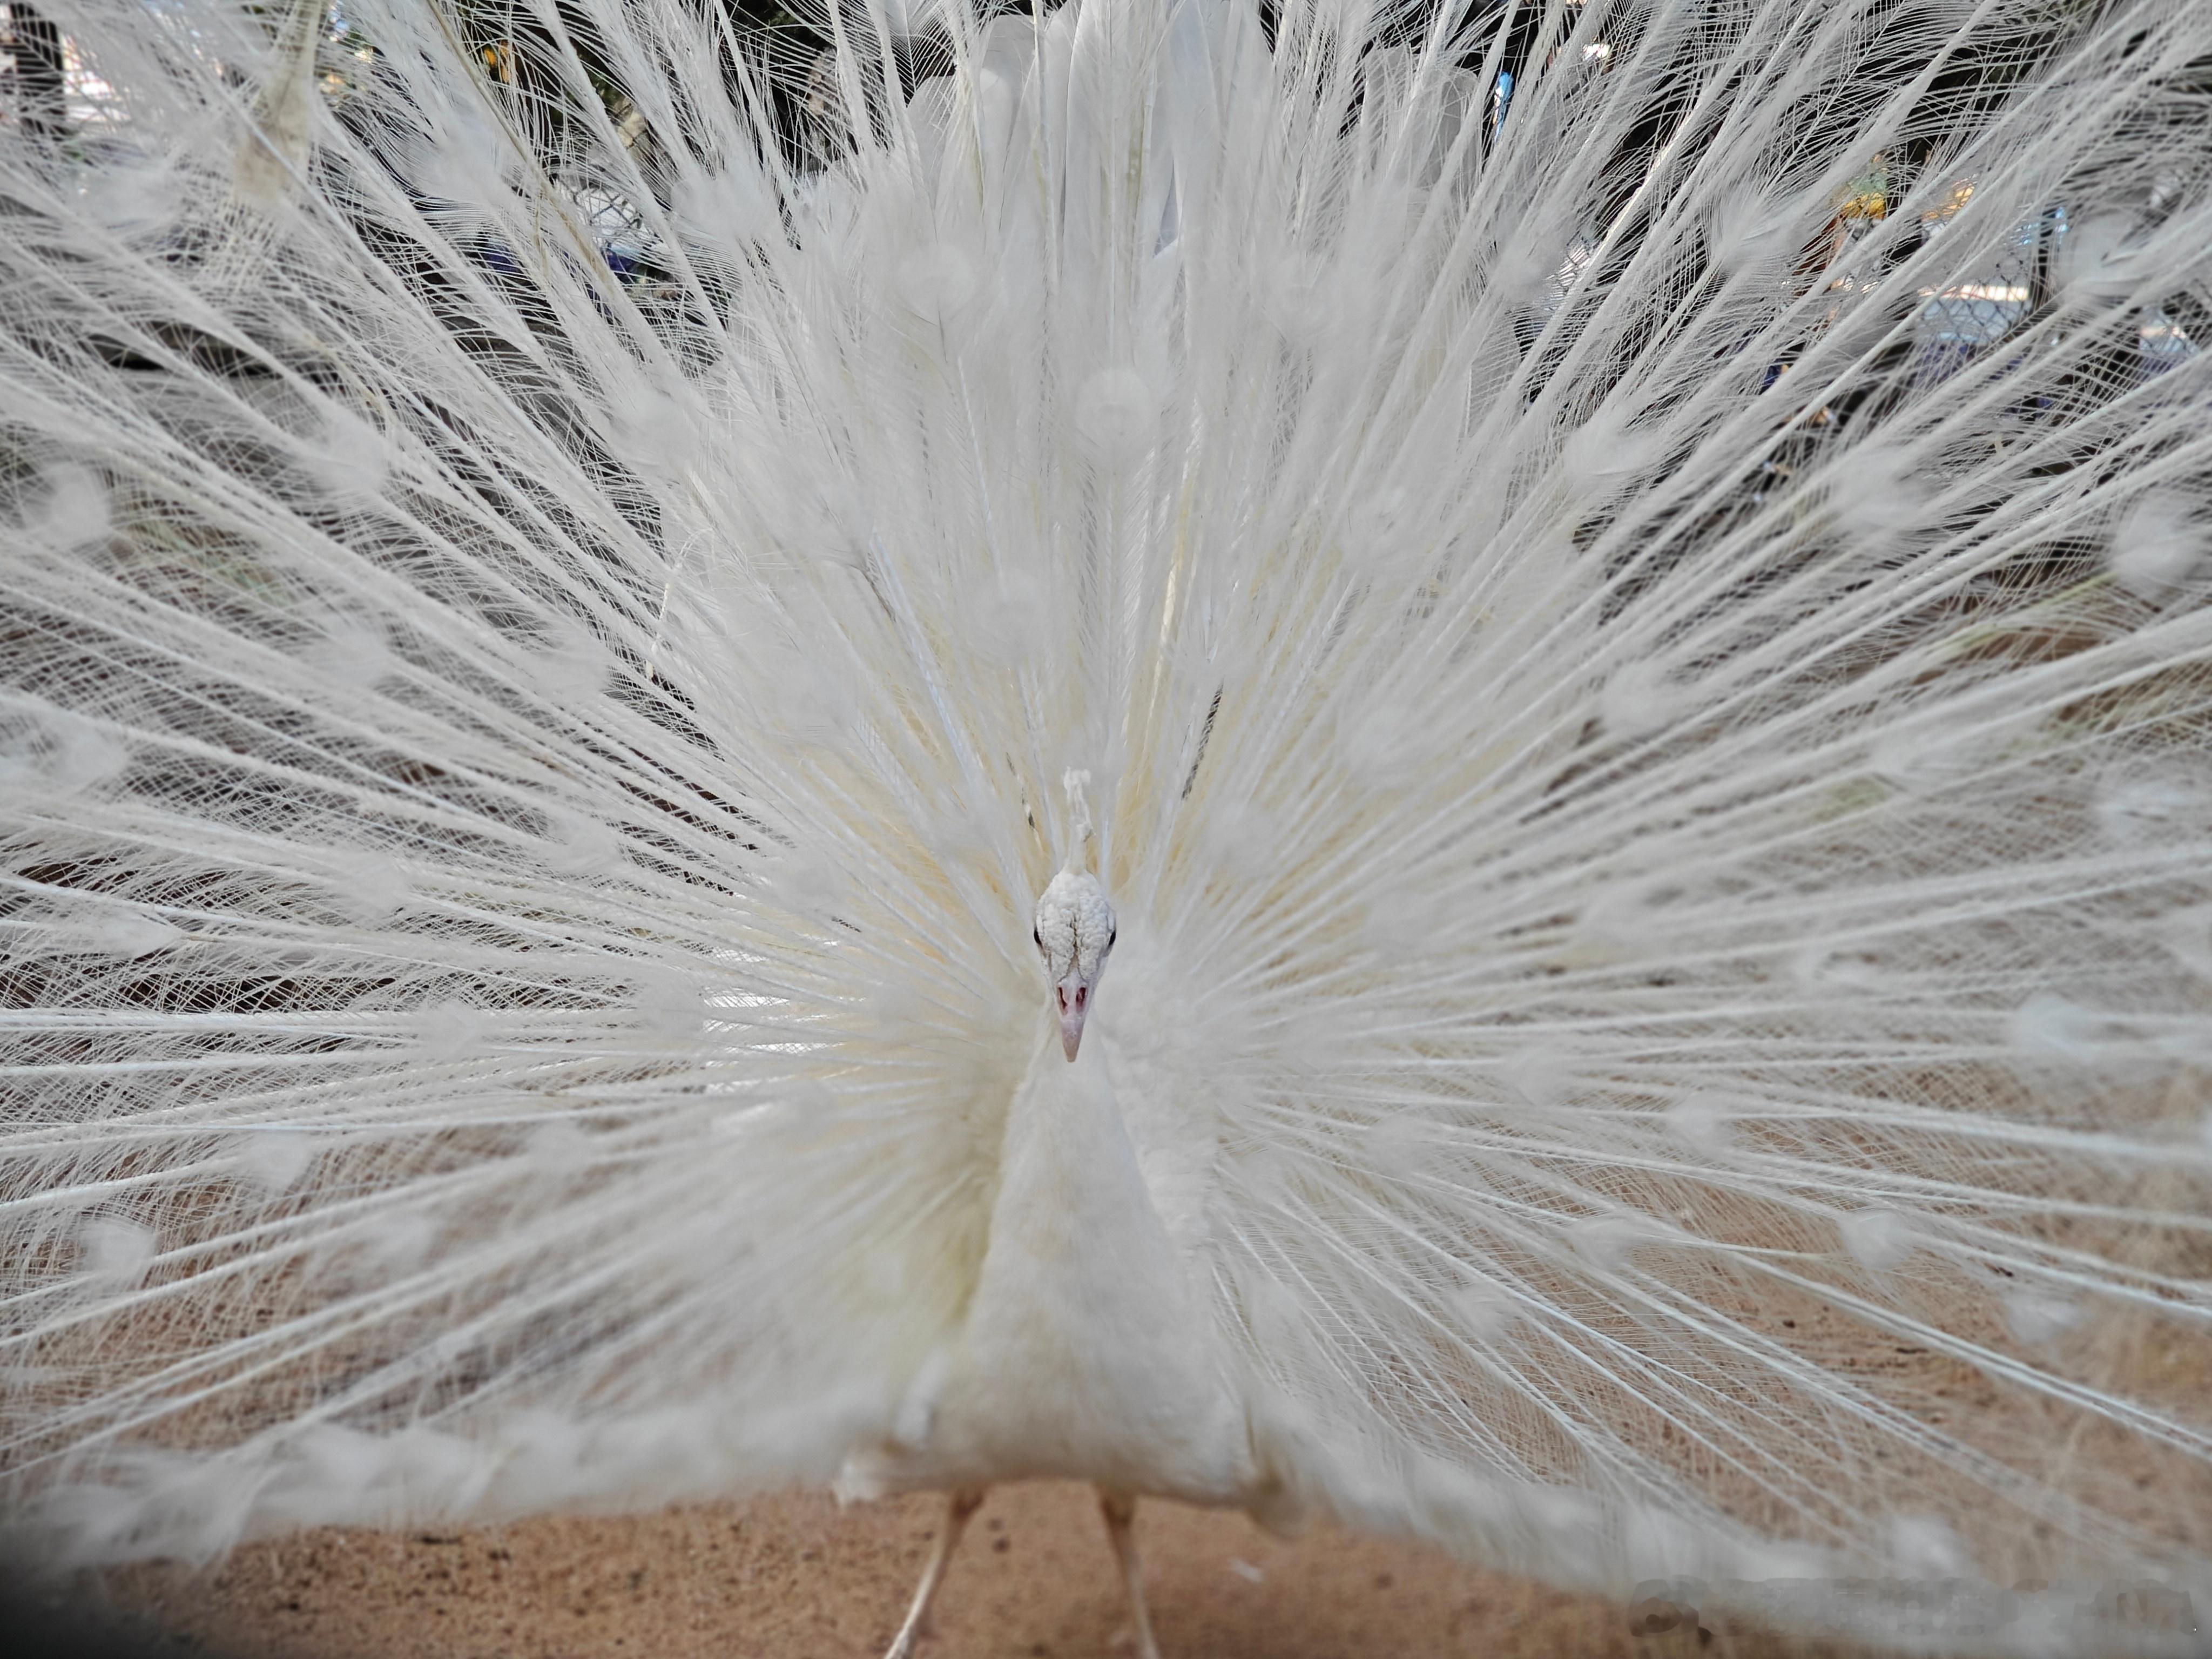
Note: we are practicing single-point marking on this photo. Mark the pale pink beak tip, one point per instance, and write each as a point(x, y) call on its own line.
point(1074, 1006)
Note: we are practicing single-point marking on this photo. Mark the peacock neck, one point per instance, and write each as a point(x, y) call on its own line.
point(1069, 1184)
point(1086, 1351)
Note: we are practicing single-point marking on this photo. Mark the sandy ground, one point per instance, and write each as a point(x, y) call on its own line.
point(795, 1578)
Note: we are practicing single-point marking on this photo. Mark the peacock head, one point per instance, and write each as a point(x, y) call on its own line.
point(1074, 931)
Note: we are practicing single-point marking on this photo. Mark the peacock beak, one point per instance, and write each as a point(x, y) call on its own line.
point(1073, 994)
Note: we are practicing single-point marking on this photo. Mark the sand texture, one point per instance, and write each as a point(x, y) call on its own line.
point(795, 1578)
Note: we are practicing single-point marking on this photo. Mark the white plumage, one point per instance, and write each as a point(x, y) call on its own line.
point(1630, 580)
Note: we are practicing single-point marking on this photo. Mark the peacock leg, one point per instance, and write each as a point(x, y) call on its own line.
point(963, 1502)
point(1121, 1510)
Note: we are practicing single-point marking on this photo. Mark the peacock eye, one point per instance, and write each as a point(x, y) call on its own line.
point(1038, 936)
point(1112, 934)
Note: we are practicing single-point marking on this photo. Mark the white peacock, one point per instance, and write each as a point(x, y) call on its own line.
point(1629, 582)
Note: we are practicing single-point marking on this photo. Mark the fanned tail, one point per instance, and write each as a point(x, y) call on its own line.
point(1632, 579)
